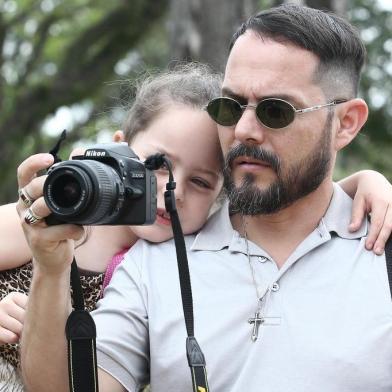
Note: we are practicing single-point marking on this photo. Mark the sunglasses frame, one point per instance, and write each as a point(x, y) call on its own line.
point(295, 111)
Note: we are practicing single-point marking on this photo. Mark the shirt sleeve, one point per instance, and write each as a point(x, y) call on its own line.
point(122, 325)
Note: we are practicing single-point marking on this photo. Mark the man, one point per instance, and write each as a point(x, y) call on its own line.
point(285, 298)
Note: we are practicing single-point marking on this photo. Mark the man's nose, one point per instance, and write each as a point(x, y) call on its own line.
point(248, 129)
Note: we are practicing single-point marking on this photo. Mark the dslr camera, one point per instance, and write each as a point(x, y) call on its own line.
point(108, 185)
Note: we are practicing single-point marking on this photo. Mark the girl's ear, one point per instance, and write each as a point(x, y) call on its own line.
point(352, 115)
point(118, 136)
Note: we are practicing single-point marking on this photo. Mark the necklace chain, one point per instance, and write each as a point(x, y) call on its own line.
point(259, 296)
point(252, 270)
point(258, 319)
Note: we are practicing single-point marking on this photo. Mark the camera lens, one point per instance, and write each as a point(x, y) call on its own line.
point(84, 192)
point(66, 191)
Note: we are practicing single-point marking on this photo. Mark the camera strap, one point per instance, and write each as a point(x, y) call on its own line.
point(80, 327)
point(56, 148)
point(81, 334)
point(196, 360)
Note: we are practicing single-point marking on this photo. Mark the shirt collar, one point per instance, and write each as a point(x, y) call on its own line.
point(338, 216)
point(218, 232)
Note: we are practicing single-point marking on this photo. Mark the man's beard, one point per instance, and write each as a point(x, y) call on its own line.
point(298, 181)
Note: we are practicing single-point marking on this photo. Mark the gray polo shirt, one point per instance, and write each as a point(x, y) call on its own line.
point(328, 313)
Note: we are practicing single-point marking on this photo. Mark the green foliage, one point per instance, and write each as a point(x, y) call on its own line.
point(372, 148)
point(61, 54)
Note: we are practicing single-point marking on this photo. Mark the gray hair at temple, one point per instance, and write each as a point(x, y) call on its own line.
point(331, 38)
point(191, 84)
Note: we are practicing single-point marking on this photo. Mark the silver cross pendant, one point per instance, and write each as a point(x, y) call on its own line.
point(257, 320)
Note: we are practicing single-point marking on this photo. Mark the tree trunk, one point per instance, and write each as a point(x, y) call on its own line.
point(200, 30)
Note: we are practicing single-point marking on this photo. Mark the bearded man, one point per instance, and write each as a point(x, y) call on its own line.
point(286, 299)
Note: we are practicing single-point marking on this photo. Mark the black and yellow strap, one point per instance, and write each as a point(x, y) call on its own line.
point(197, 364)
point(81, 336)
point(195, 355)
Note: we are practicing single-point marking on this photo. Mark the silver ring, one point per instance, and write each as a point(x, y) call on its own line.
point(31, 218)
point(25, 197)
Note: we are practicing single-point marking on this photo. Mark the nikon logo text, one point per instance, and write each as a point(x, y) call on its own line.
point(93, 153)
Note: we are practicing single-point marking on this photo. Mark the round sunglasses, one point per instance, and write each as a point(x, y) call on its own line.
point(273, 113)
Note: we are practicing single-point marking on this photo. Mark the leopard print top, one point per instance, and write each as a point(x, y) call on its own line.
point(18, 279)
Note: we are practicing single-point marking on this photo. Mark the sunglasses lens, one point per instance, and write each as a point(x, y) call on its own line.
point(274, 113)
point(224, 111)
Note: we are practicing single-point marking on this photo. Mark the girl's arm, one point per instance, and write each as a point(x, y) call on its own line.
point(14, 250)
point(93, 254)
point(371, 191)
point(372, 194)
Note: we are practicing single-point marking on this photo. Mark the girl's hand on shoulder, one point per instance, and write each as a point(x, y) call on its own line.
point(52, 246)
point(373, 197)
point(12, 312)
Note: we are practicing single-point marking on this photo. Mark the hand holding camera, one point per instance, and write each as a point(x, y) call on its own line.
point(107, 185)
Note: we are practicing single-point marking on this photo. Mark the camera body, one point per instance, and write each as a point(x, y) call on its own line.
point(108, 185)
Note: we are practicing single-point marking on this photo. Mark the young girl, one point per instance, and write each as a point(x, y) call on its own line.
point(166, 117)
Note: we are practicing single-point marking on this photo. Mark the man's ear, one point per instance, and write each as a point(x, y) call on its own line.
point(352, 115)
point(118, 136)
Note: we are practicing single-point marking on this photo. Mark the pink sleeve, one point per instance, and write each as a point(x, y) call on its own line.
point(114, 262)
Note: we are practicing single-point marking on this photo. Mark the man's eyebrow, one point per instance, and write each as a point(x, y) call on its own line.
point(227, 92)
point(286, 97)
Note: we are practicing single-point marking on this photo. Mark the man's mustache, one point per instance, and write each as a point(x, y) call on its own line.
point(252, 152)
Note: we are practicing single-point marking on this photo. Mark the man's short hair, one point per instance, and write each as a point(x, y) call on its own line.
point(331, 38)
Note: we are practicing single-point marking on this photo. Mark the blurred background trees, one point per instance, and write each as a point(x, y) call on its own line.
point(67, 64)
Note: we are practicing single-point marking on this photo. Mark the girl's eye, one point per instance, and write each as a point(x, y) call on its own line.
point(201, 183)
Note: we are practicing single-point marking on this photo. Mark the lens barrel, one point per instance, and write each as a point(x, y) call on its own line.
point(83, 192)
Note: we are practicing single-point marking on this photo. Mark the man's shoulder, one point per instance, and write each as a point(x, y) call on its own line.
point(146, 250)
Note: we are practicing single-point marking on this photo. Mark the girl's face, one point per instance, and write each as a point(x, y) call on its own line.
point(189, 139)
